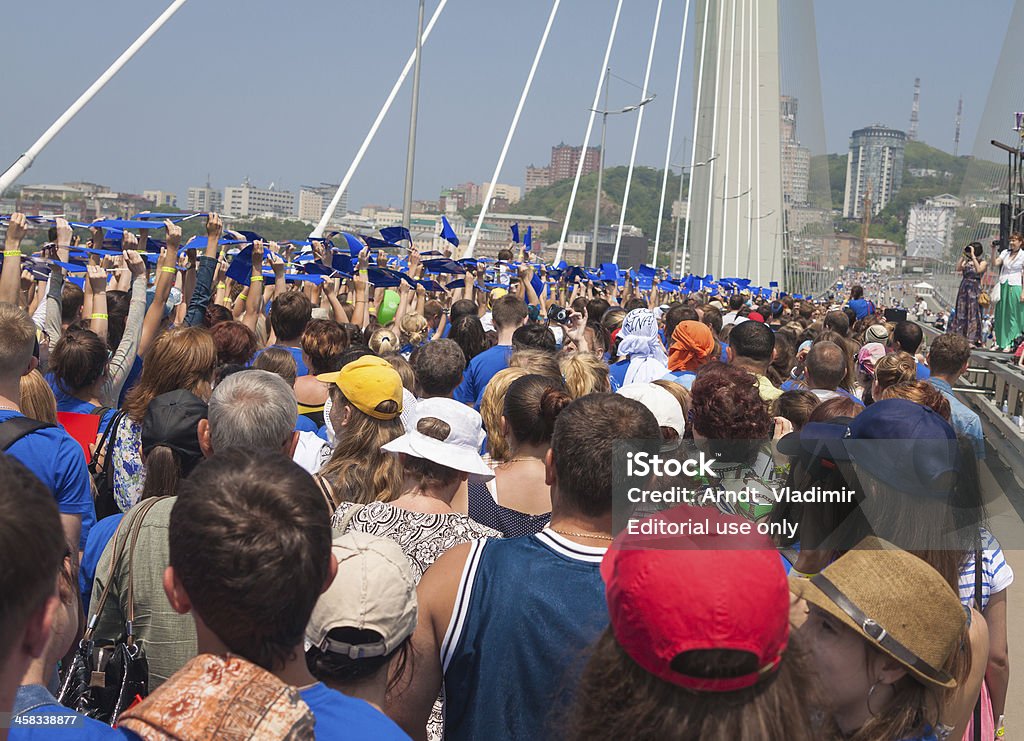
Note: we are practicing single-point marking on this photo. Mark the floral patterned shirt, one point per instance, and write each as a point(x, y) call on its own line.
point(129, 471)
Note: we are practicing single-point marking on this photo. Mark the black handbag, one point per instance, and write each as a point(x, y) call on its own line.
point(107, 676)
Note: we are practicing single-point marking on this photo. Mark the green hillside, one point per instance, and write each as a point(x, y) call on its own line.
point(642, 210)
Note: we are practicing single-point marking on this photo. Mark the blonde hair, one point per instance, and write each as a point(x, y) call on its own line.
point(919, 392)
point(17, 339)
point(413, 329)
point(585, 373)
point(492, 407)
point(383, 341)
point(540, 362)
point(404, 370)
point(359, 471)
point(37, 399)
point(896, 367)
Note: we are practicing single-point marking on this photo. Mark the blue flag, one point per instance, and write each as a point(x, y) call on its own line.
point(240, 269)
point(395, 234)
point(448, 233)
point(515, 233)
point(528, 240)
point(342, 263)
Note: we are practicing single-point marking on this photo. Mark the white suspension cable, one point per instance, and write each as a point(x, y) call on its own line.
point(714, 139)
point(751, 112)
point(25, 161)
point(741, 128)
point(671, 132)
point(590, 128)
point(636, 133)
point(696, 129)
point(512, 130)
point(322, 224)
point(728, 139)
point(757, 136)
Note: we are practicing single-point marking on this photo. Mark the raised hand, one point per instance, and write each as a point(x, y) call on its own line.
point(97, 278)
point(214, 226)
point(136, 265)
point(17, 228)
point(173, 234)
point(129, 241)
point(363, 261)
point(64, 233)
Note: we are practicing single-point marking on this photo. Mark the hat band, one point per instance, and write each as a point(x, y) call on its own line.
point(878, 634)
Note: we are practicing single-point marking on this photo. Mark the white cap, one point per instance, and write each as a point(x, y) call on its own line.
point(662, 404)
point(460, 450)
point(374, 589)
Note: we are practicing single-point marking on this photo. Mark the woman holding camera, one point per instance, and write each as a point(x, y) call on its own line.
point(967, 317)
point(1009, 323)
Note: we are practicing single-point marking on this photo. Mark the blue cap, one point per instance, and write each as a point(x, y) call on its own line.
point(905, 445)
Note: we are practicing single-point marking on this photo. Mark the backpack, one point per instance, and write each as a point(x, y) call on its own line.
point(103, 475)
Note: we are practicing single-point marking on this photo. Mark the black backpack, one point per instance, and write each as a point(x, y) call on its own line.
point(15, 428)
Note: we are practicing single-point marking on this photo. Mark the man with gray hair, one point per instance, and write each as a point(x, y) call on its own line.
point(251, 409)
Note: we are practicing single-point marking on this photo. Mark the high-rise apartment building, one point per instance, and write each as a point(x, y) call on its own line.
point(537, 177)
point(314, 200)
point(930, 227)
point(204, 199)
point(244, 200)
point(876, 163)
point(161, 198)
point(796, 160)
point(565, 159)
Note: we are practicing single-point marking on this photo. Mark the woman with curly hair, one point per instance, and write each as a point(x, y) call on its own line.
point(731, 424)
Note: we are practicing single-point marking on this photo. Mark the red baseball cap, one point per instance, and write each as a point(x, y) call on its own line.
point(755, 316)
point(671, 594)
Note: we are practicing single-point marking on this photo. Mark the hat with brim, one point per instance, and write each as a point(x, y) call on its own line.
point(896, 602)
point(460, 450)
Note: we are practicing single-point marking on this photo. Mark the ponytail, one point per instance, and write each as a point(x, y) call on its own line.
point(532, 405)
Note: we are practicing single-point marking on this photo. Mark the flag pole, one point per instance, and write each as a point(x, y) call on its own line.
point(25, 161)
point(318, 231)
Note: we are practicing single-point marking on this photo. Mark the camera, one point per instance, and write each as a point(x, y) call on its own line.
point(559, 314)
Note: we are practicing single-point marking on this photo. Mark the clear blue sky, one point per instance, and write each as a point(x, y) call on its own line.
point(285, 91)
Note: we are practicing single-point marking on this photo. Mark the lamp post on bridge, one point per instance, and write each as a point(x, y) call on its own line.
point(682, 171)
point(410, 160)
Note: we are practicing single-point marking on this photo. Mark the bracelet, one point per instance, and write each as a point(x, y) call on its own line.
point(99, 316)
point(222, 285)
point(363, 272)
point(12, 253)
point(1000, 732)
point(255, 278)
point(800, 574)
point(243, 296)
point(168, 269)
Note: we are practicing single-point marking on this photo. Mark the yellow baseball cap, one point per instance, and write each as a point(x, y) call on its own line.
point(366, 383)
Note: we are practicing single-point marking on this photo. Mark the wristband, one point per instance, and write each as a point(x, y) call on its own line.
point(243, 296)
point(800, 574)
point(255, 278)
point(12, 253)
point(168, 269)
point(363, 272)
point(99, 316)
point(222, 285)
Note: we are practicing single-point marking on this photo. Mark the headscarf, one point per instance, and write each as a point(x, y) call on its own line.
point(692, 343)
point(639, 340)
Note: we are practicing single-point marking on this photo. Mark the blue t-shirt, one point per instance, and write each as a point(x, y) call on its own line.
point(57, 460)
point(341, 717)
point(617, 373)
point(33, 701)
point(301, 369)
point(133, 378)
point(861, 307)
point(99, 536)
point(923, 372)
point(480, 371)
point(683, 378)
point(305, 424)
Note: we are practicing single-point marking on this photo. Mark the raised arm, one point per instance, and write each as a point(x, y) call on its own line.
point(166, 273)
point(254, 298)
point(204, 275)
point(97, 282)
point(120, 366)
point(10, 274)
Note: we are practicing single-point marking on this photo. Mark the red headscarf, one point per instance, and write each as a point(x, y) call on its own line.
point(692, 344)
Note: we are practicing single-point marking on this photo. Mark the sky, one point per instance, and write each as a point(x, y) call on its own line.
point(284, 92)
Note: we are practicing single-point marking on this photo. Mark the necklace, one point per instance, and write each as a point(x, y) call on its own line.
point(9, 408)
point(595, 536)
point(518, 460)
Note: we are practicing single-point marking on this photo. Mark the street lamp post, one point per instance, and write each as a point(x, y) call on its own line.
point(410, 160)
point(682, 171)
point(600, 170)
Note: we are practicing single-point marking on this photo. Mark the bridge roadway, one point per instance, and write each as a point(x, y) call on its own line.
point(993, 379)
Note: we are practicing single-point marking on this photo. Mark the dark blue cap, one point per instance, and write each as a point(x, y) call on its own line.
point(905, 445)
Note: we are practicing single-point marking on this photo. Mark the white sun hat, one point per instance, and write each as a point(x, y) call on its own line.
point(459, 450)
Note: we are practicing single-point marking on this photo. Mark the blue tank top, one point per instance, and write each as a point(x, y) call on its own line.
point(526, 611)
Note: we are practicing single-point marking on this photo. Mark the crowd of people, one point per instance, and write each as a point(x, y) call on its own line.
point(241, 503)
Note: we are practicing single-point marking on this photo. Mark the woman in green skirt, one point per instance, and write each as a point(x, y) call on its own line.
point(1009, 322)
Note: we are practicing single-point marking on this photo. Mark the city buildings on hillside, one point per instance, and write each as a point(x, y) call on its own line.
point(161, 198)
point(930, 227)
point(245, 200)
point(796, 159)
point(565, 160)
point(874, 167)
point(314, 200)
point(204, 199)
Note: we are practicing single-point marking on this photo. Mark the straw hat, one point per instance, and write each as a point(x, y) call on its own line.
point(896, 602)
